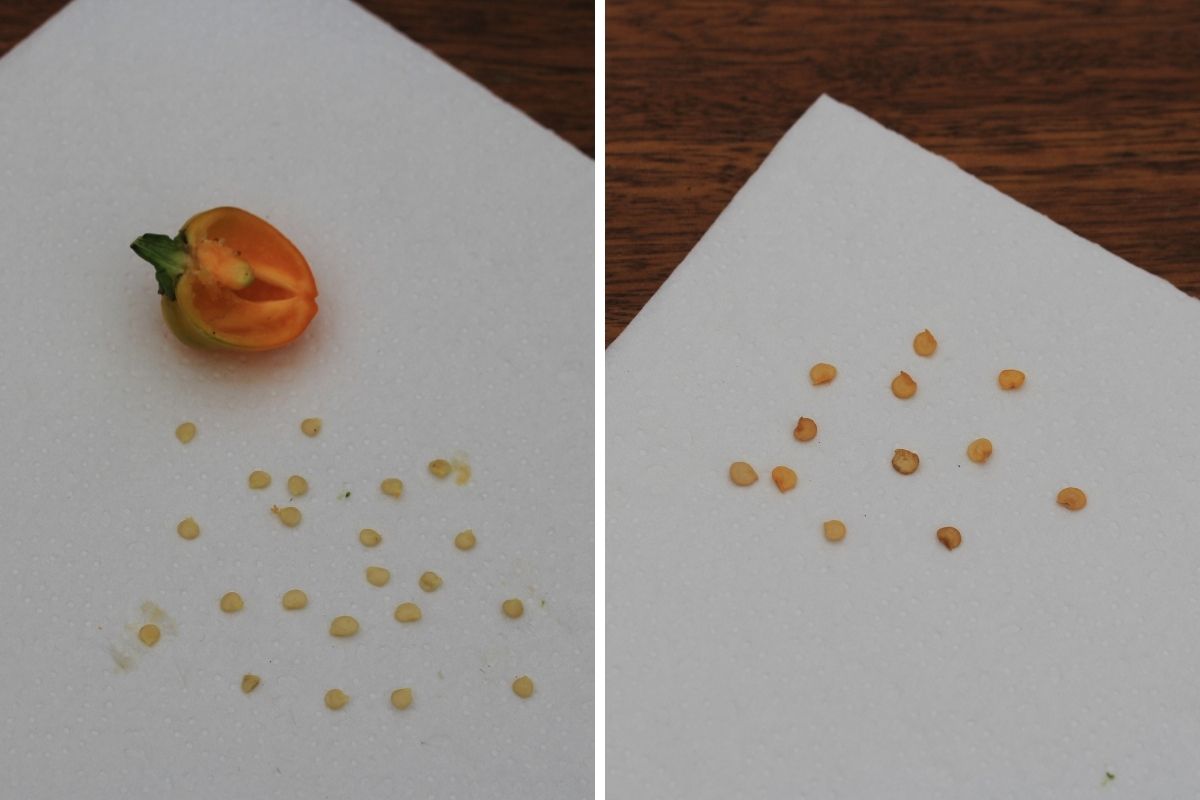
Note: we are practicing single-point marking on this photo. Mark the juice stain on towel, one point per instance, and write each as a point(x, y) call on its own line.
point(127, 651)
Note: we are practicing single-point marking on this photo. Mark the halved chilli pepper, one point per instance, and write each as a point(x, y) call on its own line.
point(230, 280)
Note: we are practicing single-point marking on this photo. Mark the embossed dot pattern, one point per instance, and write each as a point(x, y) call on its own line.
point(754, 659)
point(429, 212)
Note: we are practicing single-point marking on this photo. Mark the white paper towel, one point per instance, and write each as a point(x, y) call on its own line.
point(452, 242)
point(747, 656)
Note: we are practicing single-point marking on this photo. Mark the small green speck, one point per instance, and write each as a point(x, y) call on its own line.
point(344, 496)
point(1109, 777)
point(543, 604)
point(440, 675)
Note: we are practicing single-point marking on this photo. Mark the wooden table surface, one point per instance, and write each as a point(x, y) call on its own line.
point(538, 56)
point(1089, 112)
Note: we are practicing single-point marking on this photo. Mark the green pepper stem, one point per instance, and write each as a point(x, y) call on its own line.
point(169, 257)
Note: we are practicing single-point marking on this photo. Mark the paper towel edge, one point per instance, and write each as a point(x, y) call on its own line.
point(476, 85)
point(17, 52)
point(825, 101)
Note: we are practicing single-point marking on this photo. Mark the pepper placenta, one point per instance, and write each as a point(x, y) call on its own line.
point(230, 280)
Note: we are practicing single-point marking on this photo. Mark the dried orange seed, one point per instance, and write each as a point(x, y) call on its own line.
point(742, 473)
point(979, 450)
point(806, 430)
point(785, 478)
point(822, 373)
point(903, 386)
point(950, 537)
point(924, 344)
point(1011, 379)
point(835, 530)
point(905, 461)
point(1072, 498)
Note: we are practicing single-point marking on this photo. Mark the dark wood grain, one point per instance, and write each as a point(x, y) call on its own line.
point(537, 55)
point(1087, 111)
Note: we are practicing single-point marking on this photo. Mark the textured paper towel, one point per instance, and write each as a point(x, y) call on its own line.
point(452, 242)
point(748, 657)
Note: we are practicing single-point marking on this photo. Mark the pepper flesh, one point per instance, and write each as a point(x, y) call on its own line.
point(231, 281)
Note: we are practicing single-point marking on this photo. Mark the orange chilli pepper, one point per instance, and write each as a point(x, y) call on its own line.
point(230, 280)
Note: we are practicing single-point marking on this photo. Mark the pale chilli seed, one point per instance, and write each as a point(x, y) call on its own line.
point(440, 468)
point(513, 608)
point(288, 515)
point(924, 344)
point(905, 462)
point(369, 537)
point(430, 581)
point(407, 612)
point(294, 599)
point(311, 426)
point(465, 540)
point(378, 576)
point(979, 450)
point(949, 537)
point(336, 699)
point(1072, 498)
point(806, 430)
point(742, 473)
point(903, 386)
point(822, 373)
point(1011, 379)
point(297, 486)
point(250, 683)
point(392, 487)
point(785, 478)
point(149, 634)
point(188, 529)
point(523, 687)
point(186, 432)
point(231, 602)
point(343, 626)
point(402, 699)
point(835, 530)
point(258, 479)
